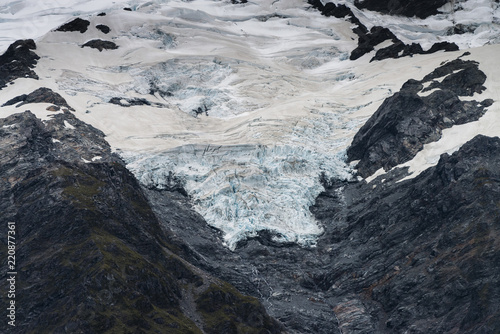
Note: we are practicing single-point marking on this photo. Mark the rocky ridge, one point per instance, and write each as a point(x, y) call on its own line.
point(414, 256)
point(369, 39)
point(89, 244)
point(417, 114)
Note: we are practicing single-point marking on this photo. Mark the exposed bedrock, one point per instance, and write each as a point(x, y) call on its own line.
point(369, 39)
point(423, 254)
point(41, 95)
point(418, 8)
point(18, 62)
point(100, 45)
point(77, 24)
point(415, 116)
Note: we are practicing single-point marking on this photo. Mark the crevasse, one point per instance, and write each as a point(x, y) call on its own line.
point(244, 189)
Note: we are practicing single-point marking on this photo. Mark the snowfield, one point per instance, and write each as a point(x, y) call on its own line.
point(247, 104)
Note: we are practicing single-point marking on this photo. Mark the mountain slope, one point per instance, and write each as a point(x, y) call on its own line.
point(91, 255)
point(336, 164)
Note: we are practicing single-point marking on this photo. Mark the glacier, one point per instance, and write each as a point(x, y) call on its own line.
point(250, 103)
point(244, 189)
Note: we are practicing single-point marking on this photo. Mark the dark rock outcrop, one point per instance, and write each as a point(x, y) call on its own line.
point(129, 102)
point(369, 39)
point(100, 45)
point(104, 28)
point(410, 8)
point(406, 121)
point(18, 62)
point(421, 255)
point(77, 24)
point(91, 256)
point(339, 11)
point(399, 49)
point(41, 95)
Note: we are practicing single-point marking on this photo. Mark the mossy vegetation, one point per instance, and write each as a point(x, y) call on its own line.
point(224, 309)
point(79, 187)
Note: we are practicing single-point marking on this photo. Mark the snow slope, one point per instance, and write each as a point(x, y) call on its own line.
point(249, 103)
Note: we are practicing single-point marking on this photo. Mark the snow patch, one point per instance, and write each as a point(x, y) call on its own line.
point(68, 126)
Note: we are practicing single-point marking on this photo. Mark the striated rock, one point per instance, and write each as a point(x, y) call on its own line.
point(100, 45)
point(41, 95)
point(18, 62)
point(89, 243)
point(406, 121)
point(77, 24)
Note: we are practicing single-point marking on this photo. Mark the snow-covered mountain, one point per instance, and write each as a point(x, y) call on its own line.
point(265, 92)
point(250, 107)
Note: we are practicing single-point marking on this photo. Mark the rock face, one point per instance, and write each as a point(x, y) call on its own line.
point(418, 8)
point(18, 62)
point(41, 95)
point(422, 255)
point(412, 117)
point(91, 255)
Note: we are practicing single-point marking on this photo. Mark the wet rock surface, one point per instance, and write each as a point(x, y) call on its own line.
point(91, 255)
point(41, 95)
point(18, 62)
point(416, 116)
